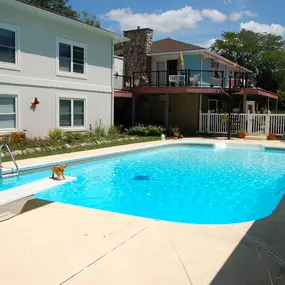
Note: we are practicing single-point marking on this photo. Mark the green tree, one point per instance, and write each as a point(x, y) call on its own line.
point(62, 7)
point(88, 18)
point(264, 52)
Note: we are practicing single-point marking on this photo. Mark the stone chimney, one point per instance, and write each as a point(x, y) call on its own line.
point(136, 50)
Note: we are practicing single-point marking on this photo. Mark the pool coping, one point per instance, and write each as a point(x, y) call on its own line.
point(111, 154)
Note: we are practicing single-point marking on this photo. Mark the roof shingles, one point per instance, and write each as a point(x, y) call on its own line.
point(170, 45)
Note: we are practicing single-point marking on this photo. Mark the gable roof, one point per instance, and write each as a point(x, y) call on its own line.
point(116, 37)
point(170, 45)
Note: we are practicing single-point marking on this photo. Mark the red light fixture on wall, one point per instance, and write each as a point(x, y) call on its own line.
point(35, 103)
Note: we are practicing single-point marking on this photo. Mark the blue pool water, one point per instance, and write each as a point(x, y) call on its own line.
point(177, 183)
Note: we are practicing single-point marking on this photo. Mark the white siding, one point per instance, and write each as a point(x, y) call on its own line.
point(37, 77)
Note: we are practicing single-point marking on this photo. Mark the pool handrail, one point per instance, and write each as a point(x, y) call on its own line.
point(12, 157)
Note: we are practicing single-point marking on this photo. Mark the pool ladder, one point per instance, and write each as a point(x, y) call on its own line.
point(13, 171)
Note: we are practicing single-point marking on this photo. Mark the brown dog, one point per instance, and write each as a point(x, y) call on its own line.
point(59, 171)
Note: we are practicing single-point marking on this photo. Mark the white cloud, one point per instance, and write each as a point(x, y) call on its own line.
point(250, 13)
point(206, 44)
point(263, 28)
point(163, 22)
point(235, 16)
point(214, 15)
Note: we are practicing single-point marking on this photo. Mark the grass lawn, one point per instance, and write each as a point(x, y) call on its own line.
point(81, 148)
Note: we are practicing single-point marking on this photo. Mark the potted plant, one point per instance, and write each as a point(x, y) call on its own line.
point(271, 137)
point(176, 133)
point(242, 134)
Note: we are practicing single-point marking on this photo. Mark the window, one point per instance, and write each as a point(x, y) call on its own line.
point(214, 64)
point(9, 46)
point(71, 58)
point(215, 106)
point(71, 113)
point(7, 113)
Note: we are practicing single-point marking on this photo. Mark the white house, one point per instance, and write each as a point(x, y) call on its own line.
point(66, 64)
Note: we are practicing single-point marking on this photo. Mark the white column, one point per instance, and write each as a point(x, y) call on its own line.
point(208, 121)
point(267, 123)
point(249, 123)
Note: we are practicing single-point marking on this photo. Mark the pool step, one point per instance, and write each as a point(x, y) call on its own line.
point(7, 175)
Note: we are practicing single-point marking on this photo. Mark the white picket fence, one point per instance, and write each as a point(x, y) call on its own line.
point(253, 124)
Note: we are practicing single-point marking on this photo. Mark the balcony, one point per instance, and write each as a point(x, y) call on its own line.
point(194, 78)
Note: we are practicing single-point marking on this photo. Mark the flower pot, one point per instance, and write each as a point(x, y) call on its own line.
point(242, 135)
point(271, 137)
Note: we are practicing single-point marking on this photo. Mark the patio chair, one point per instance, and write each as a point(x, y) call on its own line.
point(173, 80)
point(127, 85)
point(195, 79)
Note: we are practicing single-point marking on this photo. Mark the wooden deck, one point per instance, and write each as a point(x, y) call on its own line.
point(197, 90)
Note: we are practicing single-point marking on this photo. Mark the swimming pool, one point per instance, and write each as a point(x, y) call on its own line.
point(182, 183)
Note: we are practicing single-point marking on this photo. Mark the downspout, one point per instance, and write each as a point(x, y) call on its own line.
point(112, 84)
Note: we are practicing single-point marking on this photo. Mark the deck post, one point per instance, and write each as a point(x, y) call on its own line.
point(133, 109)
point(166, 111)
point(244, 103)
point(200, 112)
point(268, 103)
point(267, 123)
point(208, 121)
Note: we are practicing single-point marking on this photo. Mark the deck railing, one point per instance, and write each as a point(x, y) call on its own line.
point(252, 124)
point(193, 78)
point(122, 82)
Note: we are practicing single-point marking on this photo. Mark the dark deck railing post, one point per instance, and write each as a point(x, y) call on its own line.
point(187, 77)
point(133, 79)
point(223, 80)
point(157, 78)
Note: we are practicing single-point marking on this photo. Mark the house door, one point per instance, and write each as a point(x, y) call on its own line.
point(161, 75)
point(172, 66)
point(250, 107)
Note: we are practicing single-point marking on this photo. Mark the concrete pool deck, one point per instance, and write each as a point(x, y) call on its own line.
point(64, 244)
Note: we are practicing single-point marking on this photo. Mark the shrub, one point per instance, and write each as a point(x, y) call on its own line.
point(70, 137)
point(6, 139)
point(56, 134)
point(18, 137)
point(113, 132)
point(141, 130)
point(99, 130)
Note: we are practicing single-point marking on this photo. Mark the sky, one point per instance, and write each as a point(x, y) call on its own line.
point(194, 21)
